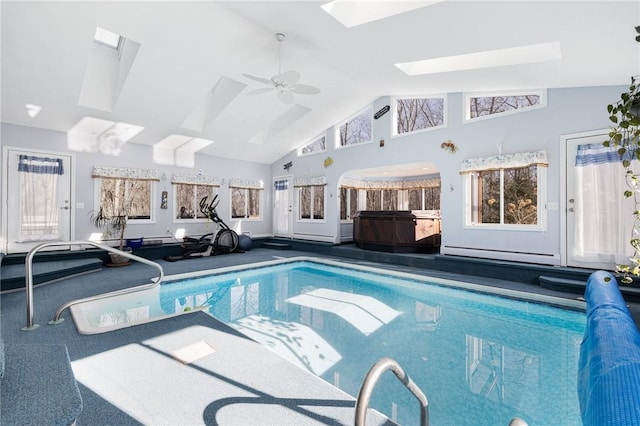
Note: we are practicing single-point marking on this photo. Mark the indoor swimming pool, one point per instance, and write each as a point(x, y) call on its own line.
point(479, 358)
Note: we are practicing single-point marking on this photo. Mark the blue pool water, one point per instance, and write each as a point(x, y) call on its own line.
point(481, 359)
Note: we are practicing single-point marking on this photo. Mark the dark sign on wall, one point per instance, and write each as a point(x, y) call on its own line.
point(382, 112)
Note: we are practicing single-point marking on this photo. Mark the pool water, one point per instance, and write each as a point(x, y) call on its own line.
point(481, 359)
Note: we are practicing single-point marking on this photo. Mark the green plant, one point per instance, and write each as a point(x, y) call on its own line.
point(625, 136)
point(112, 218)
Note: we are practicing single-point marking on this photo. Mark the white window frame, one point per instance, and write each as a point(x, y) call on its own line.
point(349, 219)
point(394, 124)
point(471, 201)
point(336, 129)
point(314, 140)
point(422, 196)
point(246, 218)
point(175, 203)
point(97, 189)
point(466, 104)
point(324, 204)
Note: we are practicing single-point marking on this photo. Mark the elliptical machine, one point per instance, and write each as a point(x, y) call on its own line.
point(226, 239)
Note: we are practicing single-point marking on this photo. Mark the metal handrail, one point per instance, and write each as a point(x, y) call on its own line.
point(29, 279)
point(371, 379)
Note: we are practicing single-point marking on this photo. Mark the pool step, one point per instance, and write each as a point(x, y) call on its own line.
point(13, 275)
point(276, 246)
point(578, 286)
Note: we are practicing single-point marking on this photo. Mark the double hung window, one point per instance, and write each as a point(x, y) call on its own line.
point(311, 198)
point(125, 192)
point(189, 191)
point(246, 199)
point(506, 190)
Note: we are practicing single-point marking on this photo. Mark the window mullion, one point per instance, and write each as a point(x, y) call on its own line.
point(501, 196)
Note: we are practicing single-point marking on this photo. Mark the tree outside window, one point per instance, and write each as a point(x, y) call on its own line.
point(311, 205)
point(424, 198)
point(348, 202)
point(389, 199)
point(497, 104)
point(317, 145)
point(132, 196)
point(507, 196)
point(374, 199)
point(414, 114)
point(245, 203)
point(188, 196)
point(357, 130)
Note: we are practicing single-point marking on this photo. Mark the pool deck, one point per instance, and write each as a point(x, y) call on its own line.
point(131, 376)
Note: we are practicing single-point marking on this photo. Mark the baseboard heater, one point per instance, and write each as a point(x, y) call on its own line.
point(515, 256)
point(314, 237)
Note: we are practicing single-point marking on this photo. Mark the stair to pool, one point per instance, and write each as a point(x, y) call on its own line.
point(12, 275)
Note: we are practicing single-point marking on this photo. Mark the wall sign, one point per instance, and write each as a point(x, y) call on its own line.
point(382, 112)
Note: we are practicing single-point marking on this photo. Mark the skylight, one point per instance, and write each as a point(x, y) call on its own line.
point(533, 53)
point(351, 13)
point(92, 134)
point(107, 38)
point(110, 60)
point(178, 150)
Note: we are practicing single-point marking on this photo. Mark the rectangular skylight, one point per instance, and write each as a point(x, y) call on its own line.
point(357, 12)
point(107, 38)
point(533, 53)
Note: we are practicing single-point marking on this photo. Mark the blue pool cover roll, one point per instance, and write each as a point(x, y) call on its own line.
point(609, 365)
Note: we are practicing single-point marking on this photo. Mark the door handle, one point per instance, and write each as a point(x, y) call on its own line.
point(64, 208)
point(571, 209)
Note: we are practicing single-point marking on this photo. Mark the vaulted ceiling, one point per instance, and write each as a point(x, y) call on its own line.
point(186, 87)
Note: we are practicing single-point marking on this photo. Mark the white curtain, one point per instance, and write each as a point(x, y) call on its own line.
point(39, 209)
point(604, 217)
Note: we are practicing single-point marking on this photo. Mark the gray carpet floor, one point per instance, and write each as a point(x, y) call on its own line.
point(130, 376)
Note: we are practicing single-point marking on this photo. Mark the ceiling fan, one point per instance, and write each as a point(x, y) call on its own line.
point(285, 84)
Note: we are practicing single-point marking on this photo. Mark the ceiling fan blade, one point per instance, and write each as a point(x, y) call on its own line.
point(304, 89)
point(285, 96)
point(259, 91)
point(288, 77)
point(258, 79)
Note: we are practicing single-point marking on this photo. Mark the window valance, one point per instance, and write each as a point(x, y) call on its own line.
point(390, 184)
point(504, 161)
point(310, 181)
point(195, 179)
point(124, 173)
point(40, 165)
point(245, 183)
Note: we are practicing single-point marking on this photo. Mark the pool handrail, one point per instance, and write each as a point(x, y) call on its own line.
point(29, 279)
point(370, 381)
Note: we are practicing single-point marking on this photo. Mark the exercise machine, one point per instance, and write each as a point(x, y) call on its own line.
point(224, 241)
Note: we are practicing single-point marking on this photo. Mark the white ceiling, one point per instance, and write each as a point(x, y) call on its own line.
point(186, 48)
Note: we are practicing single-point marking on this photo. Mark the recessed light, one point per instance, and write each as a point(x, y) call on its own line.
point(33, 110)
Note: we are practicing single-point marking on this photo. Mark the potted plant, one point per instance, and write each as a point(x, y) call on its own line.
point(625, 136)
point(112, 220)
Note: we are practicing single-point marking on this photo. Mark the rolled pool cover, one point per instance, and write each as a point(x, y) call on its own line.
point(609, 364)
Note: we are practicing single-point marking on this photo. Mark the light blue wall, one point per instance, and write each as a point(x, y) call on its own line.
point(141, 156)
point(571, 110)
point(568, 111)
